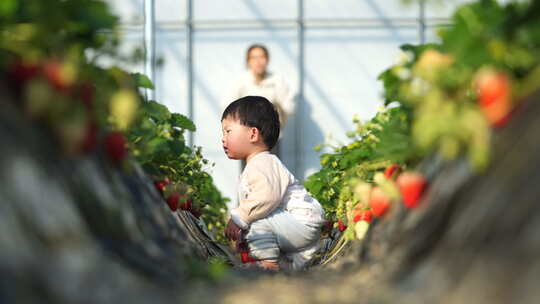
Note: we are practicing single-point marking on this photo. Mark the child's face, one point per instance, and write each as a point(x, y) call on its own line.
point(236, 138)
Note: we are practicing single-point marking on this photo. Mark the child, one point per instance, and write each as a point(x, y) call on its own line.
point(279, 219)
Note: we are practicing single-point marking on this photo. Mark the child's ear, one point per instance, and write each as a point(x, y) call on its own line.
point(254, 135)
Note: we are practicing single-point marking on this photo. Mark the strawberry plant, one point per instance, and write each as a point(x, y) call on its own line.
point(471, 81)
point(157, 141)
point(450, 97)
point(376, 145)
point(48, 55)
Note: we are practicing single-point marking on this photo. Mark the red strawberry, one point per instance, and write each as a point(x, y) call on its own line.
point(379, 202)
point(21, 72)
point(243, 249)
point(186, 203)
point(172, 201)
point(160, 185)
point(116, 147)
point(363, 215)
point(86, 94)
point(411, 185)
point(246, 258)
point(392, 171)
point(59, 75)
point(494, 97)
point(90, 139)
point(341, 226)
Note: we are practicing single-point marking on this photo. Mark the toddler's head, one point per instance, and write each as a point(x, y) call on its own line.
point(249, 124)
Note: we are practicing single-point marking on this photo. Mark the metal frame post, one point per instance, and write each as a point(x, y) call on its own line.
point(189, 33)
point(299, 142)
point(422, 21)
point(149, 44)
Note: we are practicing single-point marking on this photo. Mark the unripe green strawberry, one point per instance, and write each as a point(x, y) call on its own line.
point(72, 131)
point(360, 229)
point(39, 98)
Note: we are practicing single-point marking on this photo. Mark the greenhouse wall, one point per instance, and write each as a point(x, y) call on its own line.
point(342, 45)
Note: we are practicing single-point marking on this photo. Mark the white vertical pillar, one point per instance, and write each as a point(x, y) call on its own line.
point(299, 142)
point(189, 33)
point(422, 22)
point(149, 44)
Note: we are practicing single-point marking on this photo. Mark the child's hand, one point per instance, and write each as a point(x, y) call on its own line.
point(232, 231)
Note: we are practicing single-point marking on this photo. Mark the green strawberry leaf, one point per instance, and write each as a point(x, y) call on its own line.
point(7, 7)
point(157, 111)
point(142, 81)
point(181, 121)
point(177, 146)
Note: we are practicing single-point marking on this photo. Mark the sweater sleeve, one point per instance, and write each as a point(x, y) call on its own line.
point(267, 185)
point(285, 99)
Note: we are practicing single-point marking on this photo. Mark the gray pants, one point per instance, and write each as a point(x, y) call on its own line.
point(280, 233)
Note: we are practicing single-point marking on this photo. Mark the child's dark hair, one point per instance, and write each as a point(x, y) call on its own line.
point(257, 112)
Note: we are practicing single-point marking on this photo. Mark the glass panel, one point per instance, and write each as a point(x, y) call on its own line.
point(130, 41)
point(171, 10)
point(431, 33)
point(341, 80)
point(239, 9)
point(129, 11)
point(443, 9)
point(316, 9)
point(171, 77)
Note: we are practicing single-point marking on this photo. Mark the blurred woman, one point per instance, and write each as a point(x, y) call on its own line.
point(258, 81)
